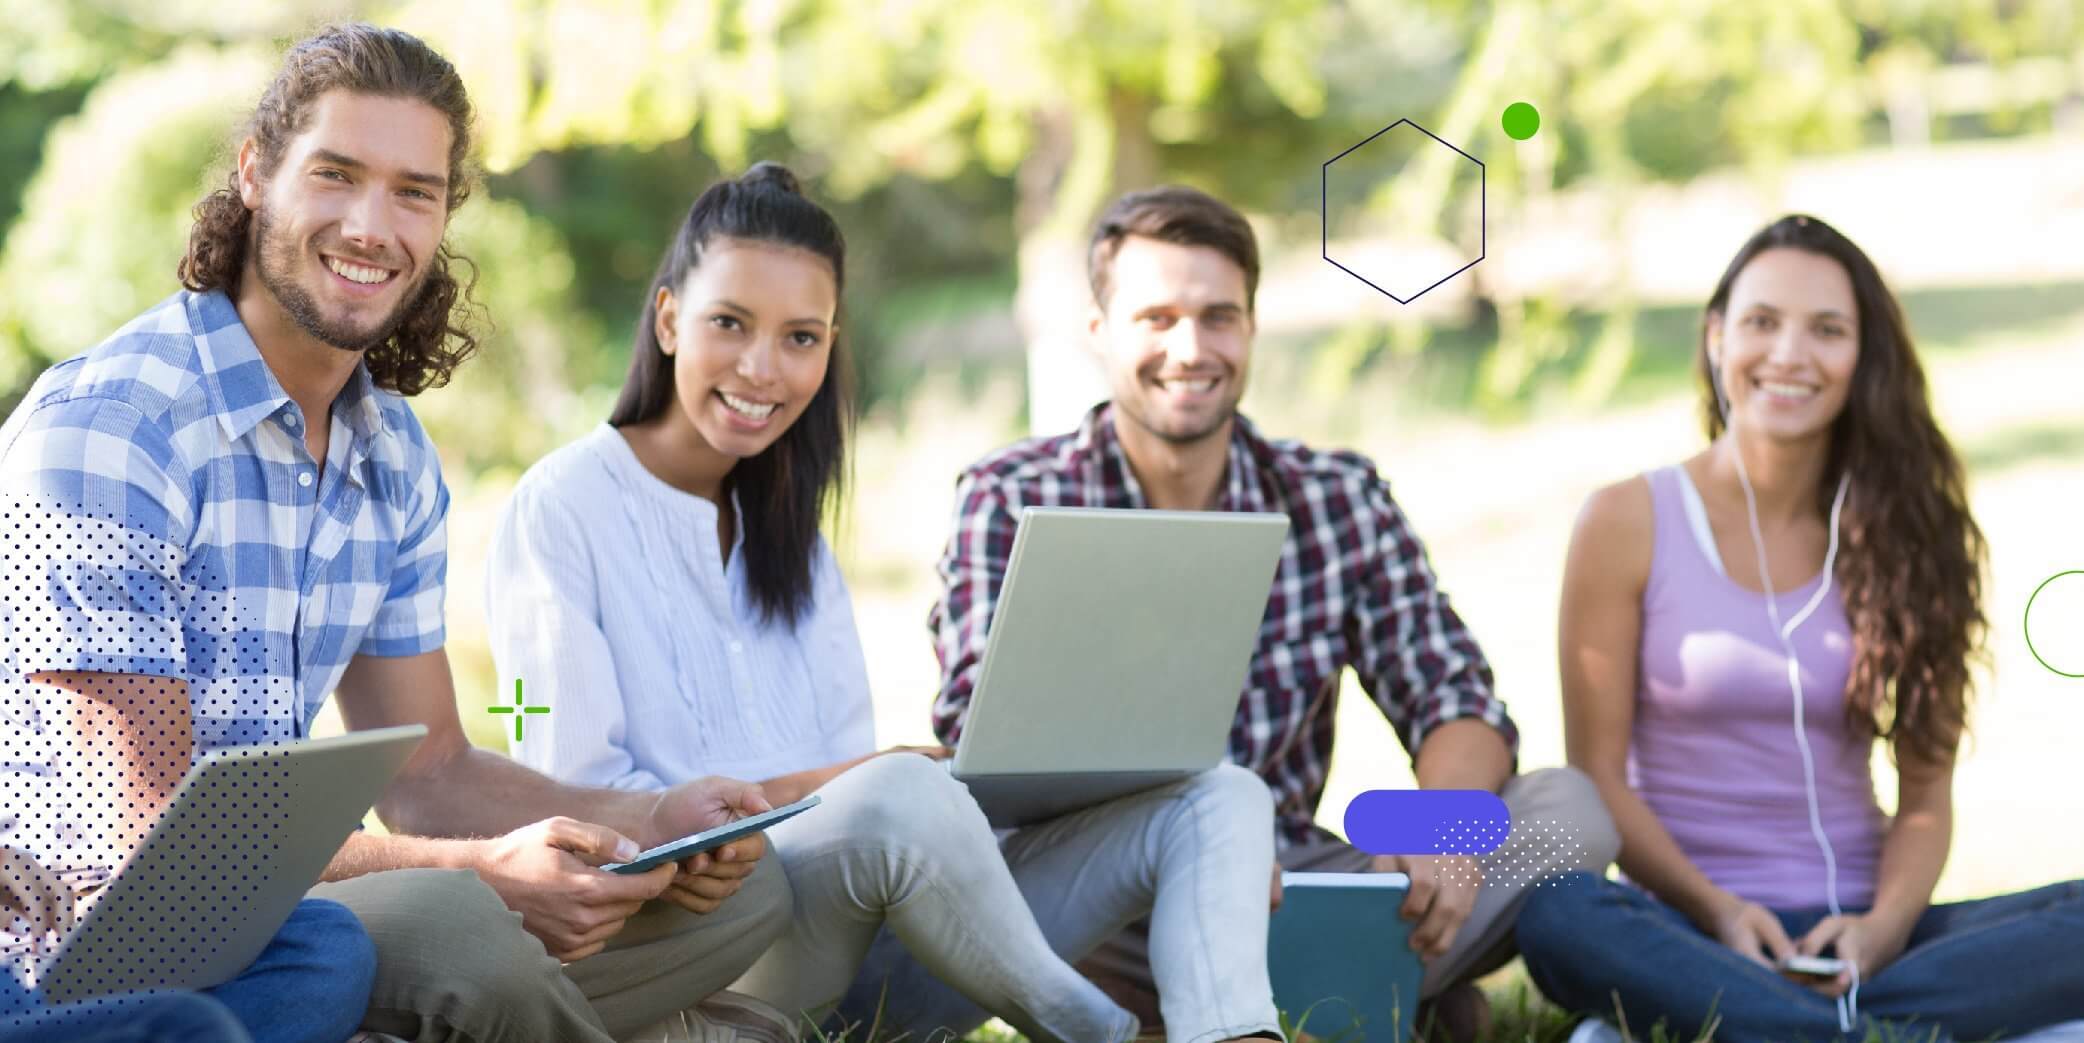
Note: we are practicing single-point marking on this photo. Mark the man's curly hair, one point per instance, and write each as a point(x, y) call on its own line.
point(434, 336)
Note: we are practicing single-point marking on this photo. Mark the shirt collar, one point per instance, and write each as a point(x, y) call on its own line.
point(1101, 444)
point(360, 404)
point(244, 390)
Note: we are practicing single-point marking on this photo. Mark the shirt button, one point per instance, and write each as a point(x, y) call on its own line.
point(737, 647)
point(289, 419)
point(304, 479)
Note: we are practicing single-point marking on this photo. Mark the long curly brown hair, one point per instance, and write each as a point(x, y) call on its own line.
point(437, 330)
point(1911, 557)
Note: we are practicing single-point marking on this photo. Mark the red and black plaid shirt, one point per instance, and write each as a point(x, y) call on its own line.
point(1353, 589)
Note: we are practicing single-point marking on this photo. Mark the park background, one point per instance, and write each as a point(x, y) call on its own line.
point(965, 146)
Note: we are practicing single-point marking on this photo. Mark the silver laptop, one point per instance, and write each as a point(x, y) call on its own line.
point(248, 832)
point(1116, 656)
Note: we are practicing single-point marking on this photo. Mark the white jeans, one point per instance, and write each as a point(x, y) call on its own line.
point(899, 844)
point(1194, 856)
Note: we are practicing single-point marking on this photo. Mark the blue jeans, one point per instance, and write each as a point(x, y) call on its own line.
point(1972, 970)
point(134, 1017)
point(310, 985)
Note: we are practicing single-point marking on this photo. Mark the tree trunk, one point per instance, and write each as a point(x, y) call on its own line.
point(1079, 161)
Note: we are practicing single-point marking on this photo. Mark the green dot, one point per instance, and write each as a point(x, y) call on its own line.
point(1520, 120)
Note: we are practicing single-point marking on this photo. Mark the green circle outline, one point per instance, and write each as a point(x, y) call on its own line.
point(2027, 618)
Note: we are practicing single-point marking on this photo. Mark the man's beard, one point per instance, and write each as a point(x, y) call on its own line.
point(276, 257)
point(1179, 437)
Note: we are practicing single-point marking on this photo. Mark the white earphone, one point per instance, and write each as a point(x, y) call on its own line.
point(1848, 1004)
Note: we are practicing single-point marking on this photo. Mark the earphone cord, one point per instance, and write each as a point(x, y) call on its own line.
point(1848, 1004)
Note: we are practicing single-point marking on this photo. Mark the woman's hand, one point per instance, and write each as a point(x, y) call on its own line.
point(706, 879)
point(1861, 941)
point(790, 788)
point(1753, 930)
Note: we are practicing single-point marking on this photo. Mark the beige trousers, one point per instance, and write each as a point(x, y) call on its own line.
point(454, 966)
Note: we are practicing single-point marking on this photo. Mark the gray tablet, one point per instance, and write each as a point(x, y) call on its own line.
point(711, 839)
point(1116, 656)
point(248, 832)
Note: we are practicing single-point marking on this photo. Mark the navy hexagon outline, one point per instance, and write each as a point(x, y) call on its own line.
point(1324, 212)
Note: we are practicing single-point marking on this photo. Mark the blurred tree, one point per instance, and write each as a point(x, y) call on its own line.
point(107, 217)
point(1068, 100)
point(525, 393)
point(912, 244)
point(26, 117)
point(47, 45)
point(1056, 105)
point(1077, 101)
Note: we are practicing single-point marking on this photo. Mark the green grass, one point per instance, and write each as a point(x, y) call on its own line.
point(1518, 1013)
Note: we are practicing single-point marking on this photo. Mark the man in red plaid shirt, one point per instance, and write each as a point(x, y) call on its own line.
point(1173, 274)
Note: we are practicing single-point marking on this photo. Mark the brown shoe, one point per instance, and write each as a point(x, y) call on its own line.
point(1462, 1014)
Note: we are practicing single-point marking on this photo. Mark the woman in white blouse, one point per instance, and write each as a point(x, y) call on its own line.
point(663, 586)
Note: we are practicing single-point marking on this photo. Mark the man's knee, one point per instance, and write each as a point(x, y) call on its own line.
point(330, 930)
point(1566, 803)
point(1234, 789)
point(326, 940)
point(423, 919)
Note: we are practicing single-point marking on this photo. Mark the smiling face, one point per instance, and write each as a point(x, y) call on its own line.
point(1176, 337)
point(347, 224)
point(750, 334)
point(1787, 345)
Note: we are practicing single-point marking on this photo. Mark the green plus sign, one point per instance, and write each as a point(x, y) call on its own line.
point(517, 709)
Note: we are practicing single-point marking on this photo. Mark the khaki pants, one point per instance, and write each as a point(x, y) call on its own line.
point(453, 964)
point(1559, 824)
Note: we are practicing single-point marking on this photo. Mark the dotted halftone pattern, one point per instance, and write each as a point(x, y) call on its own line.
point(67, 581)
point(1534, 848)
point(1472, 835)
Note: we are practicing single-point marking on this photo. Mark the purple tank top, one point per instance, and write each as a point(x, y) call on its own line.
point(1713, 751)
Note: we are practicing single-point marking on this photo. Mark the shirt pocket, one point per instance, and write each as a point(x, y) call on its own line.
point(1283, 678)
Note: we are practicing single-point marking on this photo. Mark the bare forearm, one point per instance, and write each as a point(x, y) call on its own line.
point(1912, 856)
point(478, 793)
point(131, 730)
point(790, 788)
point(1464, 754)
point(1653, 860)
point(366, 853)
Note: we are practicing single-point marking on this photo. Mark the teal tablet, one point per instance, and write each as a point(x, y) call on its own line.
point(1340, 957)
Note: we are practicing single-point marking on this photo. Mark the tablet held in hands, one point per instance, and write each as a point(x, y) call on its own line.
point(711, 839)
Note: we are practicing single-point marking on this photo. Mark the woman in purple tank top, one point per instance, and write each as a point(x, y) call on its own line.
point(1737, 631)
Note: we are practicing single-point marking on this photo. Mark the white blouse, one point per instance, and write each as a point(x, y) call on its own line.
point(607, 595)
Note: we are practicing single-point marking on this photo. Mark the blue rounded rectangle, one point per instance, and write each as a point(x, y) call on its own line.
point(1427, 822)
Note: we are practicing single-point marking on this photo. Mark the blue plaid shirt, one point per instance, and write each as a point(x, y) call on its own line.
point(162, 516)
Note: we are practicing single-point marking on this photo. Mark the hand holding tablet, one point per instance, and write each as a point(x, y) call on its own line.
point(711, 839)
